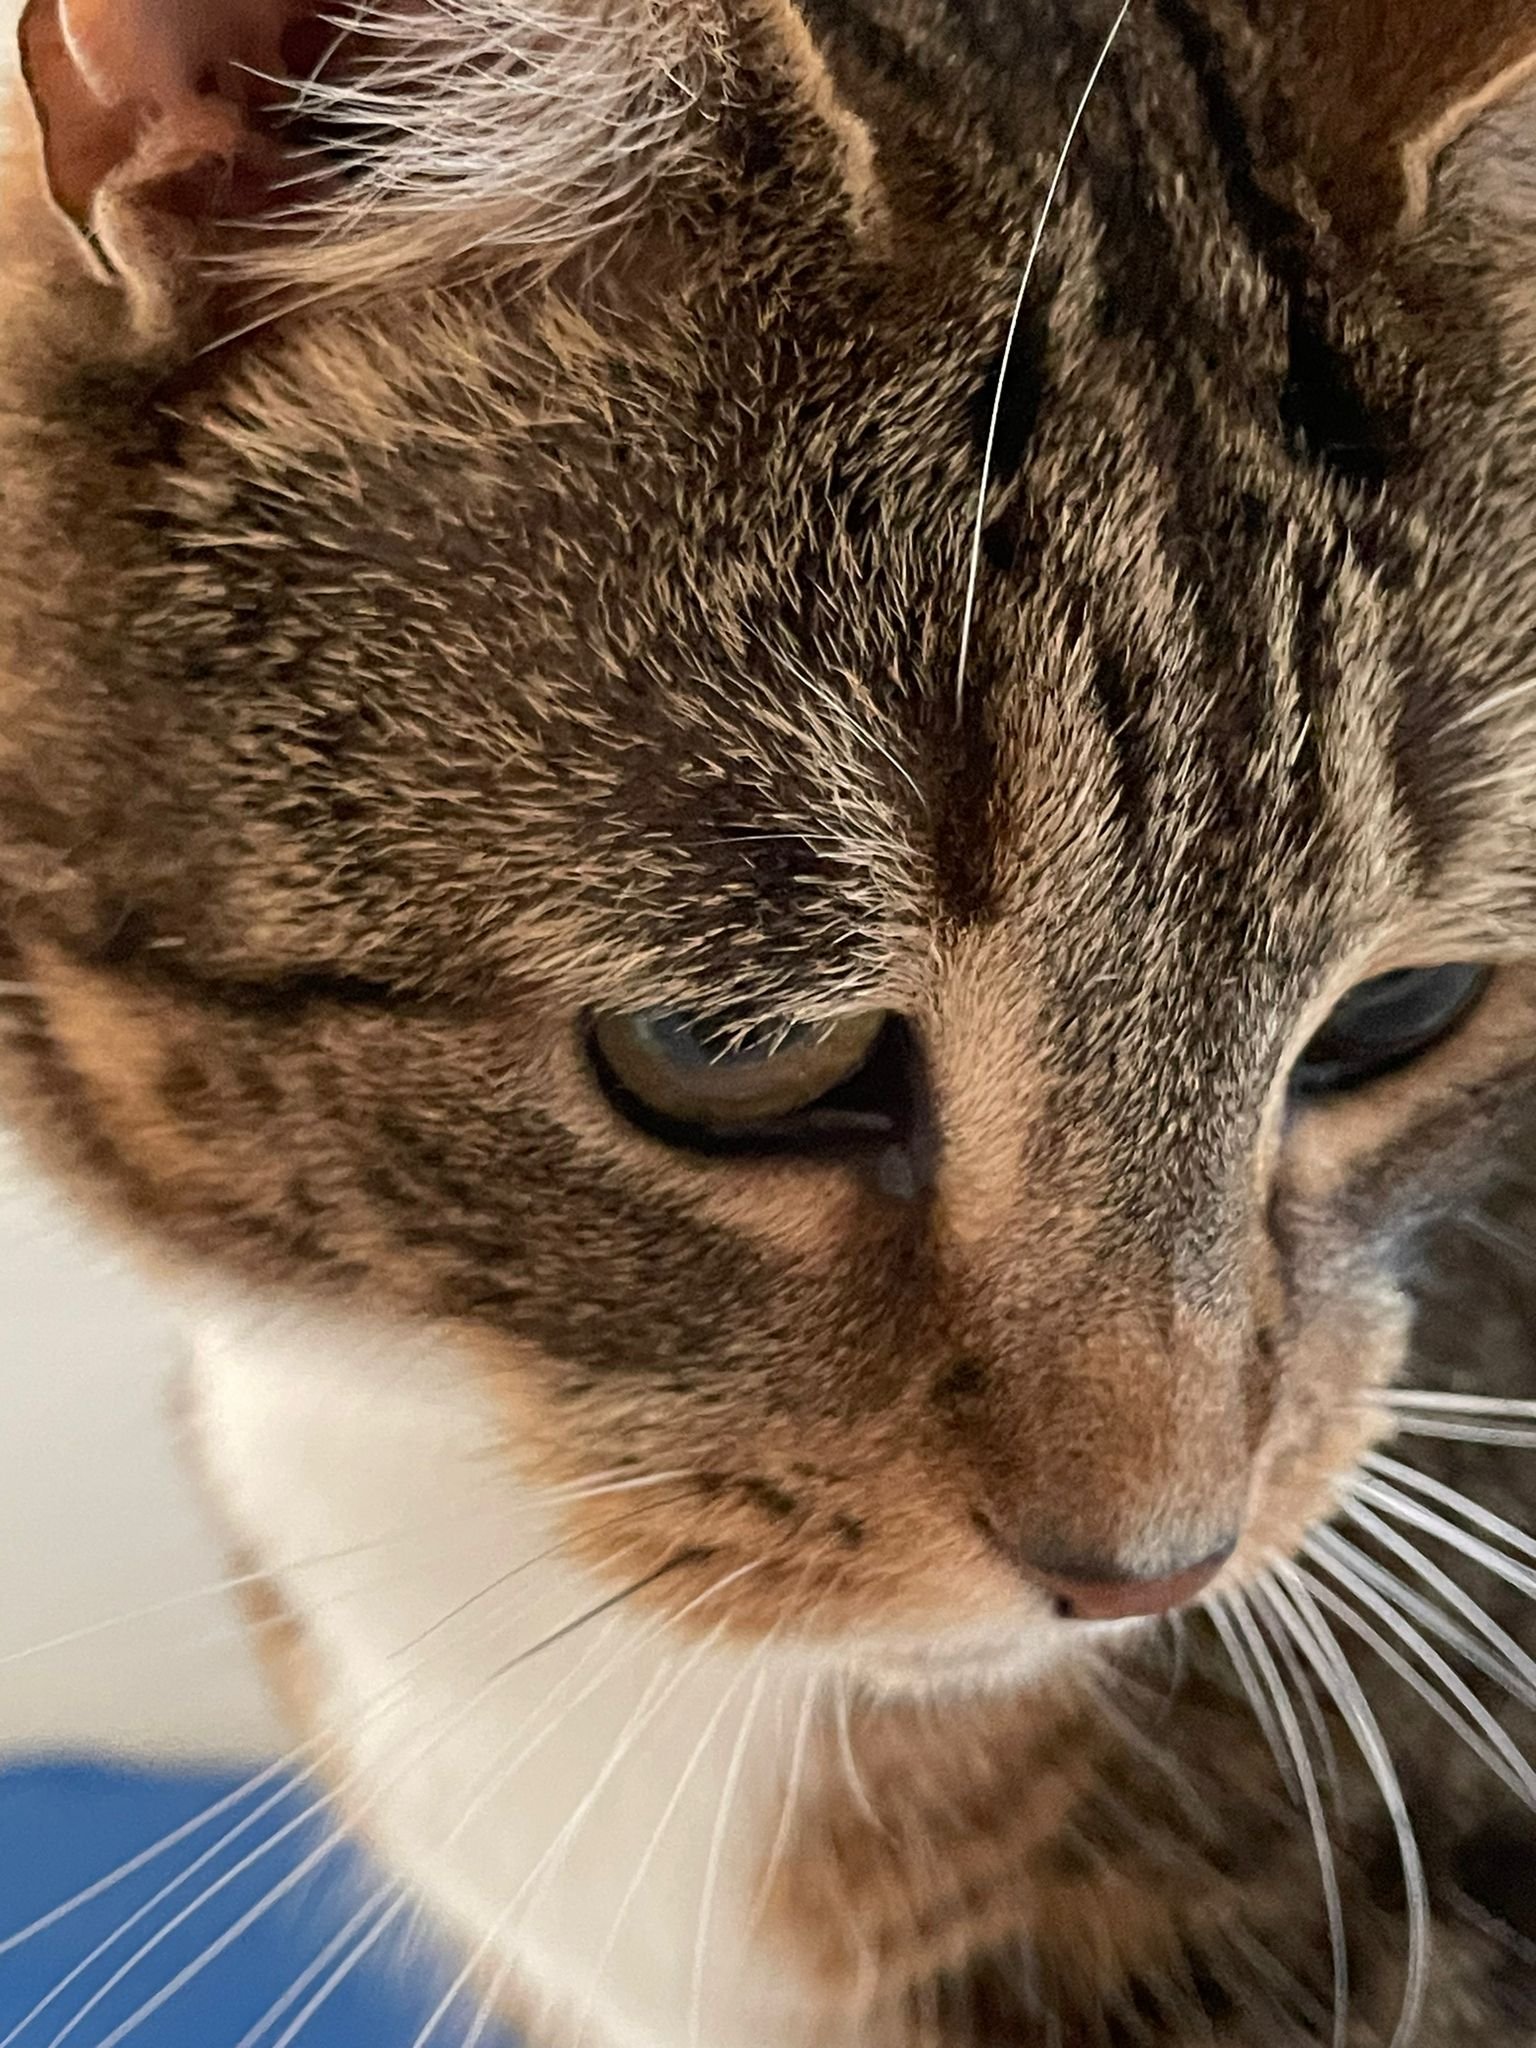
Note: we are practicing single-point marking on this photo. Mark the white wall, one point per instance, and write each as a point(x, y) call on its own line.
point(97, 1519)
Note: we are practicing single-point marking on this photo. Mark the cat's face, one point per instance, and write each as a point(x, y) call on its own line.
point(438, 722)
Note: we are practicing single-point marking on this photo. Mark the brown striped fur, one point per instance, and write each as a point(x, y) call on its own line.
point(470, 606)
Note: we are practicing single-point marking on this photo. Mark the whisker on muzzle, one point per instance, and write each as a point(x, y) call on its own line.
point(1251, 1615)
point(1421, 1667)
point(1288, 1595)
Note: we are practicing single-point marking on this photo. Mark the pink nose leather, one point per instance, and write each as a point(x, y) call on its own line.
point(1124, 1599)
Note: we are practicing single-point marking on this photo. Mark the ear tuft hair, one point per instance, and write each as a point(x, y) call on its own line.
point(277, 146)
point(526, 126)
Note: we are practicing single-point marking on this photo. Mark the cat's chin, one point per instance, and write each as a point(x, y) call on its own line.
point(995, 1659)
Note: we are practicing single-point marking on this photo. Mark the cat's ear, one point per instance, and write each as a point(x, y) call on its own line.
point(362, 138)
point(155, 120)
point(1383, 87)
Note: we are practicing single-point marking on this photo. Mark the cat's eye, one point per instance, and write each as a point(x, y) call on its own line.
point(1386, 1023)
point(694, 1081)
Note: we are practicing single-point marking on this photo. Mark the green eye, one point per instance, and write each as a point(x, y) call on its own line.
point(1385, 1024)
point(696, 1076)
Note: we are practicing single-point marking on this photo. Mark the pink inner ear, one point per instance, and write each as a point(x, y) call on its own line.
point(158, 54)
point(164, 100)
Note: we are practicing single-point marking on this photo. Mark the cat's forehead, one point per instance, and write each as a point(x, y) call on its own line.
point(749, 635)
point(759, 654)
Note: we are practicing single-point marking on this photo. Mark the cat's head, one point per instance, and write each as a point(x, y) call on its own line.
point(634, 724)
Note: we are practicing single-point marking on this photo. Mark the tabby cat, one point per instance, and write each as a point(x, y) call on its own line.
point(768, 802)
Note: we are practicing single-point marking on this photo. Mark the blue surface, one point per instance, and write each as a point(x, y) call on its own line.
point(65, 1828)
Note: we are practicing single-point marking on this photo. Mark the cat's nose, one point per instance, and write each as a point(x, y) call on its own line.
point(1092, 1589)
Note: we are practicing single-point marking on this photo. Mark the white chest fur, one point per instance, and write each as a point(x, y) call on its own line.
point(589, 1818)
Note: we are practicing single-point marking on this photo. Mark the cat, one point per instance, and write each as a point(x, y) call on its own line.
point(767, 807)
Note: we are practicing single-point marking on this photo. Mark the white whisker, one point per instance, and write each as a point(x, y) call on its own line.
point(1322, 1841)
point(1178, 1660)
point(605, 1483)
point(502, 1773)
point(851, 1771)
point(488, 2006)
point(1500, 1236)
point(498, 1773)
point(516, 1571)
point(169, 1605)
point(1288, 1993)
point(1417, 1516)
point(1458, 1707)
point(793, 1782)
point(1248, 1677)
point(303, 1870)
point(1289, 1596)
point(318, 1749)
point(647, 1856)
point(358, 1955)
point(590, 1614)
point(728, 1791)
point(1488, 707)
point(310, 1863)
point(1520, 1668)
point(1505, 1532)
point(168, 1891)
point(1158, 1756)
point(144, 1857)
point(641, 1716)
point(661, 1689)
point(1304, 1688)
point(1454, 1404)
point(670, 1679)
point(340, 1942)
point(1471, 1648)
point(1509, 1437)
point(973, 573)
point(419, 1532)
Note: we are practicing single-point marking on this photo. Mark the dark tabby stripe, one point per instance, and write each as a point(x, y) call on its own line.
point(1132, 737)
point(1322, 406)
point(1026, 385)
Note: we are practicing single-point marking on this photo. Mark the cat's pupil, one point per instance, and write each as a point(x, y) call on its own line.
point(1387, 1022)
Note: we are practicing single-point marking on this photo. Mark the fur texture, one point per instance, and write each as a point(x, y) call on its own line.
point(521, 571)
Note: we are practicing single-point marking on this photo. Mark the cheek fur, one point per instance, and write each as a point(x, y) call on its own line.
point(755, 1517)
point(1338, 1358)
point(860, 1414)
